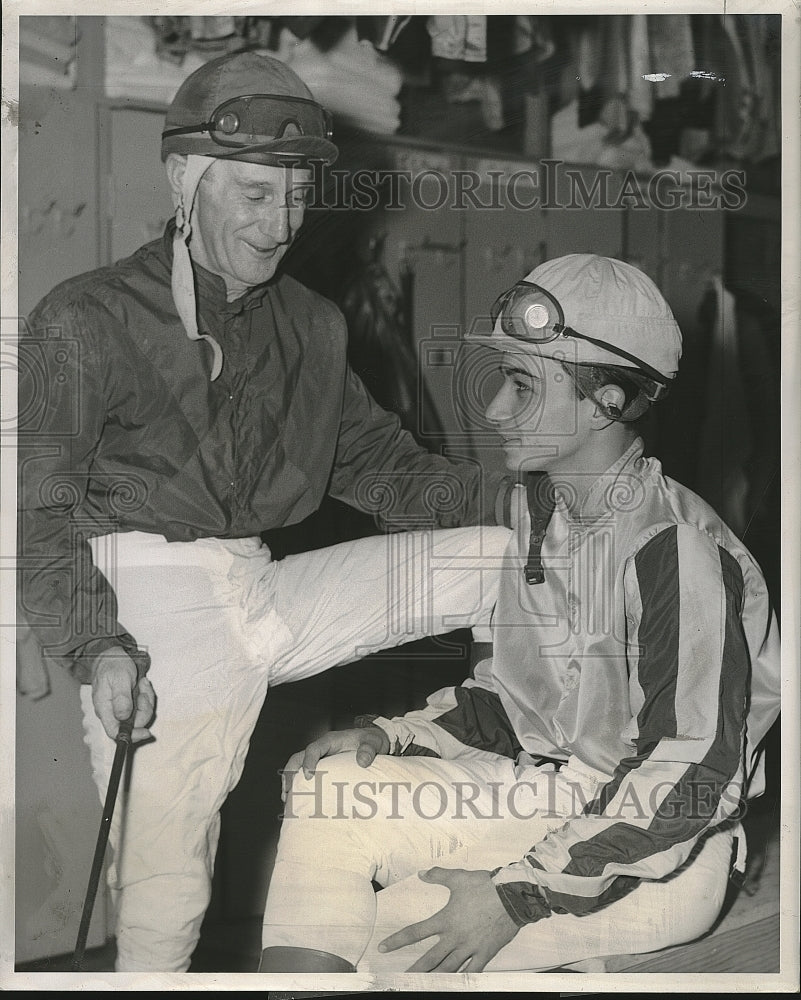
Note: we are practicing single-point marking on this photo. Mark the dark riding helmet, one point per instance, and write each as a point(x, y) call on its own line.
point(251, 107)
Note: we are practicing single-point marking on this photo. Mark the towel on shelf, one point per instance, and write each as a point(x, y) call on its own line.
point(358, 84)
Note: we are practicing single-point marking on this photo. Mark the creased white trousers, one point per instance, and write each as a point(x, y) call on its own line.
point(223, 622)
point(349, 826)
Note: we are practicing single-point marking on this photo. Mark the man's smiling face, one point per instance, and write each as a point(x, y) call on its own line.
point(244, 220)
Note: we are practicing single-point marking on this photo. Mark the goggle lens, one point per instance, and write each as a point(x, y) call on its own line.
point(244, 121)
point(528, 312)
point(256, 118)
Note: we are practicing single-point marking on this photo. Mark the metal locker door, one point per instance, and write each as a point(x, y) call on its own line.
point(138, 202)
point(437, 324)
point(681, 250)
point(692, 254)
point(57, 812)
point(422, 240)
point(578, 222)
point(504, 241)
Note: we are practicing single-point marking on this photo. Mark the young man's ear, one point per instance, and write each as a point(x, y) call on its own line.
point(176, 167)
point(612, 400)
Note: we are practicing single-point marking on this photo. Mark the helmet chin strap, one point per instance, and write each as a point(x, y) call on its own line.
point(183, 280)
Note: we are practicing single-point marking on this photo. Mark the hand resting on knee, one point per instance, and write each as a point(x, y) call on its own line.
point(366, 743)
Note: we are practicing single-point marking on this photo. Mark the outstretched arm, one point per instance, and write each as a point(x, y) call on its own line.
point(380, 468)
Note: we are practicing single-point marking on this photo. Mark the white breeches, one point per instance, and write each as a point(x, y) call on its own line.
point(222, 623)
point(348, 826)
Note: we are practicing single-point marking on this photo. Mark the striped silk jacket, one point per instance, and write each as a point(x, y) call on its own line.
point(645, 648)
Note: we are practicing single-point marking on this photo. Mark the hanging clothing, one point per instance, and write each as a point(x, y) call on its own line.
point(380, 345)
point(458, 37)
point(640, 92)
point(763, 141)
point(741, 111)
point(589, 57)
point(381, 31)
point(616, 62)
point(302, 27)
point(726, 436)
point(208, 30)
point(589, 53)
point(659, 45)
point(359, 85)
point(671, 51)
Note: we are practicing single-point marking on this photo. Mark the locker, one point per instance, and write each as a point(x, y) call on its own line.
point(575, 219)
point(504, 240)
point(137, 202)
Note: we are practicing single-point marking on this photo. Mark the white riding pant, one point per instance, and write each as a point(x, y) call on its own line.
point(222, 622)
point(348, 826)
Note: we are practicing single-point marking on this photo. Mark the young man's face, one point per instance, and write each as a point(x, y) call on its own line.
point(244, 219)
point(543, 424)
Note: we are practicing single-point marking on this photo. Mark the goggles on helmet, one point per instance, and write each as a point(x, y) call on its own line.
point(261, 118)
point(528, 312)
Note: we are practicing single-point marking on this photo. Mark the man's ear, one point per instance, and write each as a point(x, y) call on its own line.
point(612, 400)
point(176, 167)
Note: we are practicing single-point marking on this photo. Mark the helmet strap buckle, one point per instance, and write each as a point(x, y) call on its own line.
point(181, 220)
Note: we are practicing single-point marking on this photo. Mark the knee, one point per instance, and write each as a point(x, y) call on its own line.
point(342, 789)
point(333, 792)
point(322, 796)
